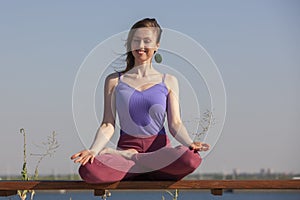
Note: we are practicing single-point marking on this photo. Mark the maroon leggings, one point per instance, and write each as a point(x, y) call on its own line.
point(156, 160)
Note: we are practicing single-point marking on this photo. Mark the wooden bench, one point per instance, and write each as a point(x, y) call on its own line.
point(216, 187)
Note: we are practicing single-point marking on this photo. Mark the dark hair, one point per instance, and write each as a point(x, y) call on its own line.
point(147, 22)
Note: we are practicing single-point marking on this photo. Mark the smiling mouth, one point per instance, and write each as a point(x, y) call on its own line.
point(141, 51)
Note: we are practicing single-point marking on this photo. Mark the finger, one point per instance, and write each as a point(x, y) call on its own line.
point(202, 148)
point(74, 156)
point(194, 145)
point(92, 159)
point(85, 160)
point(196, 149)
point(206, 146)
point(77, 155)
point(78, 160)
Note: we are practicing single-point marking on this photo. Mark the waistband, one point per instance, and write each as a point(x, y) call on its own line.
point(161, 132)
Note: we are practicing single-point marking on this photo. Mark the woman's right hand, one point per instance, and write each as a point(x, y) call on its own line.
point(83, 157)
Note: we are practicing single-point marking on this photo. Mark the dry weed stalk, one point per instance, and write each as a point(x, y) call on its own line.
point(49, 148)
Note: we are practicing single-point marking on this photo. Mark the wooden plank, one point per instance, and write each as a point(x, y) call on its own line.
point(151, 185)
point(5, 193)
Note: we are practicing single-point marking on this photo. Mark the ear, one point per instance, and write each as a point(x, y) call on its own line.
point(157, 46)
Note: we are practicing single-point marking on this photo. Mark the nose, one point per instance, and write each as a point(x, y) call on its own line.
point(141, 44)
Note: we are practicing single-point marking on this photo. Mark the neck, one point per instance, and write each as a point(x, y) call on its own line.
point(142, 69)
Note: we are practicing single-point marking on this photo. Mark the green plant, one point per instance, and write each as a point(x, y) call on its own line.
point(23, 193)
point(49, 148)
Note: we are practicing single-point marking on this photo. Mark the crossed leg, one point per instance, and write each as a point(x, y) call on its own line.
point(124, 153)
point(165, 164)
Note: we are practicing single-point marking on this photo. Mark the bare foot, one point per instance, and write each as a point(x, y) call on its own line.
point(125, 153)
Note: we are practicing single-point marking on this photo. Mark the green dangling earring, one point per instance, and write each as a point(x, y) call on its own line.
point(157, 58)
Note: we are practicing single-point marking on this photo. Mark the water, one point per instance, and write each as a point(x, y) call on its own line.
point(157, 195)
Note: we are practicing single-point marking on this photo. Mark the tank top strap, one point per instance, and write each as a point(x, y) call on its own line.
point(164, 77)
point(119, 75)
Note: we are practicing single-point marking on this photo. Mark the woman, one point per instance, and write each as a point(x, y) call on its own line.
point(142, 97)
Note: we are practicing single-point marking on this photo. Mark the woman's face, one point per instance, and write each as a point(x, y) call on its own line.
point(143, 45)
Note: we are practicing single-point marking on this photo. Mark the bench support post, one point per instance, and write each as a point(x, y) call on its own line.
point(103, 193)
point(218, 192)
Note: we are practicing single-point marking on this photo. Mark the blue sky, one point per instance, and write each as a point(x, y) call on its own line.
point(255, 45)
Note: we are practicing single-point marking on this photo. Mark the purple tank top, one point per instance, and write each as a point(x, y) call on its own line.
point(141, 113)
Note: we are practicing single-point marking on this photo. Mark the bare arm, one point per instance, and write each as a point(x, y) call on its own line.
point(107, 127)
point(176, 127)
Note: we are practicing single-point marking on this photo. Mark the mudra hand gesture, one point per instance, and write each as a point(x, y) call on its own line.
point(84, 157)
point(199, 146)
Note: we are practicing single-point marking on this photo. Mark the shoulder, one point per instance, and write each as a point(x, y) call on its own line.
point(171, 82)
point(170, 78)
point(113, 77)
point(111, 80)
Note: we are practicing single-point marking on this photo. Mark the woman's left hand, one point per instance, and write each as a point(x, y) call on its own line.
point(199, 146)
